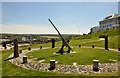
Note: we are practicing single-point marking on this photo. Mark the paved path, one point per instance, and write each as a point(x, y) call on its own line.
point(77, 69)
point(92, 41)
point(9, 46)
point(100, 48)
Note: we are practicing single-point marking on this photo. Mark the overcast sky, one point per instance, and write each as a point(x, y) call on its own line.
point(74, 17)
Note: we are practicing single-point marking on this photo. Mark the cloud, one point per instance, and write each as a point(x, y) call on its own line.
point(13, 28)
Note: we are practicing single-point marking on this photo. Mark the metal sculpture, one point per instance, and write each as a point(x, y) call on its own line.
point(64, 43)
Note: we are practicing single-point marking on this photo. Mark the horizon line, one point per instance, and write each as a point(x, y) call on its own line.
point(42, 33)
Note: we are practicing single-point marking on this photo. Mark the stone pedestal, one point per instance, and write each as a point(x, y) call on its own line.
point(29, 48)
point(95, 65)
point(25, 59)
point(52, 64)
point(93, 46)
point(16, 54)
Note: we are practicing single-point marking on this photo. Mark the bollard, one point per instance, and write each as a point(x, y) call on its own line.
point(95, 65)
point(4, 45)
point(79, 46)
point(93, 46)
point(29, 48)
point(20, 51)
point(52, 64)
point(25, 59)
point(40, 47)
point(118, 49)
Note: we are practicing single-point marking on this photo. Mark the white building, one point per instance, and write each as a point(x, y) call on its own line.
point(112, 21)
point(95, 29)
point(24, 39)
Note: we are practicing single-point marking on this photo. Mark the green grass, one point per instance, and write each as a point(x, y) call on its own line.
point(110, 33)
point(93, 39)
point(113, 42)
point(83, 56)
point(57, 44)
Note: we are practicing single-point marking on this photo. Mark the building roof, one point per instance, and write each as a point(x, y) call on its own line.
point(111, 16)
point(96, 27)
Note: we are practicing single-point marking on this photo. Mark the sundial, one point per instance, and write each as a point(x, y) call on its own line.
point(64, 43)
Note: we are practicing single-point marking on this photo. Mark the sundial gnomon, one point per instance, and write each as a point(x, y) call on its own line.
point(64, 43)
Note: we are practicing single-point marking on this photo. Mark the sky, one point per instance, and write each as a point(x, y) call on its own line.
point(68, 17)
point(59, 0)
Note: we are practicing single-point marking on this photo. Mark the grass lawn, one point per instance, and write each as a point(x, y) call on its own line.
point(93, 39)
point(82, 56)
point(112, 42)
point(57, 44)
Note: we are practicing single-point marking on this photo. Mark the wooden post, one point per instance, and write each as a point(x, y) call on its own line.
point(53, 43)
point(106, 42)
point(16, 54)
